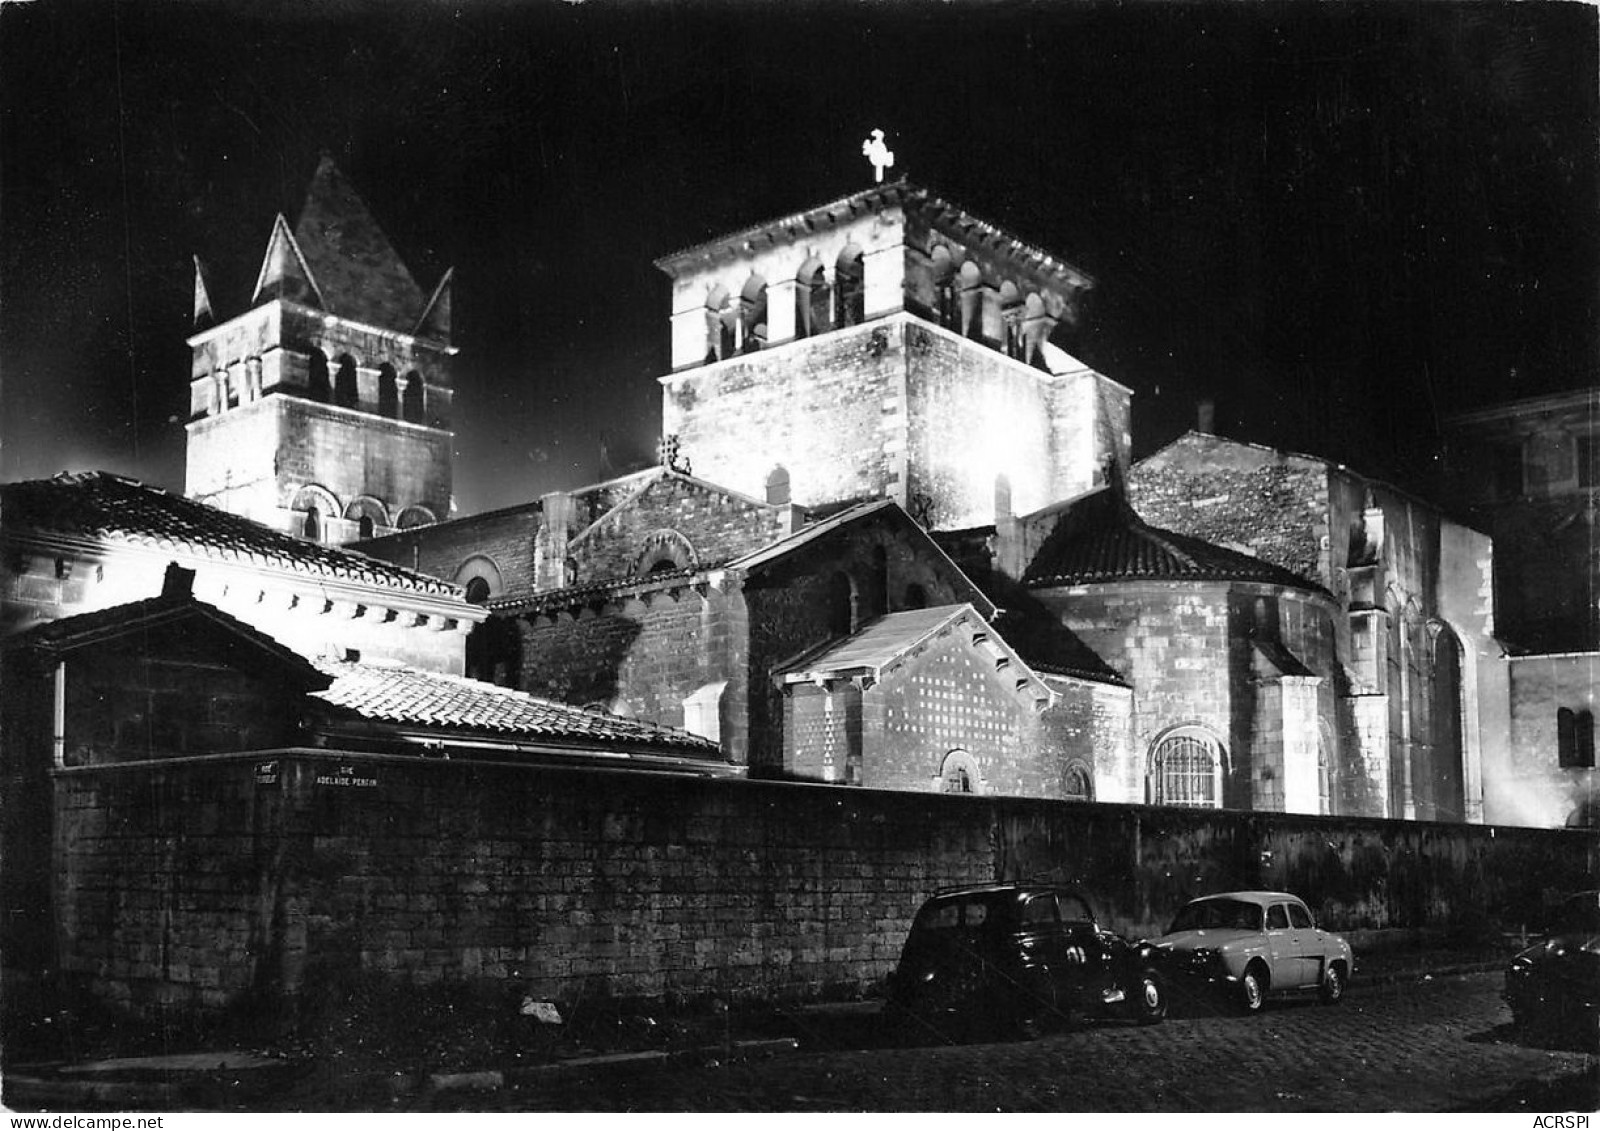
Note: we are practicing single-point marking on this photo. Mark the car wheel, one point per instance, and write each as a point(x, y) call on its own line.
point(1253, 989)
point(1150, 999)
point(1331, 989)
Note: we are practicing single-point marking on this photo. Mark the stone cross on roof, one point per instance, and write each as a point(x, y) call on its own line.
point(874, 150)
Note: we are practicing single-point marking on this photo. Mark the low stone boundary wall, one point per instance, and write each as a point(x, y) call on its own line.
point(217, 882)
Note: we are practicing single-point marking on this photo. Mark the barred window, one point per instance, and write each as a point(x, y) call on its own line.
point(1186, 769)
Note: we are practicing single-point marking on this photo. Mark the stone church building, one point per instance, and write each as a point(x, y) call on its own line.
point(938, 569)
point(1221, 625)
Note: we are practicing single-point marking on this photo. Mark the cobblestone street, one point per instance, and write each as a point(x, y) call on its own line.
point(1436, 1045)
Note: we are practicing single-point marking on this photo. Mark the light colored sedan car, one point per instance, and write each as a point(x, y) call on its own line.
point(1255, 943)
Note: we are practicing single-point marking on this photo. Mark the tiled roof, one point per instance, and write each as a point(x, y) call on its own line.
point(407, 697)
point(881, 641)
point(801, 224)
point(569, 595)
point(100, 505)
point(1104, 541)
point(69, 633)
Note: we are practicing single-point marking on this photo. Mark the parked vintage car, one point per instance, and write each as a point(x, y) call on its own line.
point(1254, 943)
point(1554, 985)
point(1018, 957)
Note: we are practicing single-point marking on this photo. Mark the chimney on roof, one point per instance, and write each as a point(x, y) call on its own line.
point(178, 582)
point(1206, 416)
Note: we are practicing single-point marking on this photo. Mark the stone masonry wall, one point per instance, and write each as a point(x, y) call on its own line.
point(950, 698)
point(717, 526)
point(504, 537)
point(1253, 499)
point(243, 882)
point(825, 409)
point(974, 415)
point(640, 657)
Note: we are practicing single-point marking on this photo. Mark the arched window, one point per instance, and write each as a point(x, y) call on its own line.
point(313, 503)
point(778, 486)
point(813, 300)
point(388, 392)
point(958, 773)
point(368, 514)
point(412, 398)
point(416, 516)
point(480, 577)
point(346, 388)
point(1078, 784)
point(753, 313)
point(664, 551)
point(851, 294)
point(317, 387)
point(1186, 769)
point(840, 605)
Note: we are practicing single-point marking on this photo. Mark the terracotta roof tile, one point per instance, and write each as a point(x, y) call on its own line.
point(1103, 540)
point(97, 504)
point(406, 696)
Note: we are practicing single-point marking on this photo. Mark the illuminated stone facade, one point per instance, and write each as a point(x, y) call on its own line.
point(80, 544)
point(887, 345)
point(1411, 718)
point(323, 410)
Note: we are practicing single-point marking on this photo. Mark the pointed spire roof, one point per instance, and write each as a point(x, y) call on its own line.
point(204, 315)
point(435, 320)
point(284, 272)
point(357, 272)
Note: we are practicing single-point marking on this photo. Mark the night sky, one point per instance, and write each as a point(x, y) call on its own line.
point(1342, 222)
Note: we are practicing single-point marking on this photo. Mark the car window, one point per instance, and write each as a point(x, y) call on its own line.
point(1075, 910)
point(940, 917)
point(1277, 918)
point(1300, 917)
point(1040, 911)
point(1217, 915)
point(952, 915)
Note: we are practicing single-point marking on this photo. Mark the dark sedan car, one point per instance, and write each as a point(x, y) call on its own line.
point(1555, 985)
point(1023, 957)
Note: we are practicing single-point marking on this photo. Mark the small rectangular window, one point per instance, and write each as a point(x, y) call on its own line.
point(1299, 917)
point(1277, 918)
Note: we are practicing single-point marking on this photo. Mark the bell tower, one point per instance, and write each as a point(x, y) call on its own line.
point(323, 409)
point(888, 344)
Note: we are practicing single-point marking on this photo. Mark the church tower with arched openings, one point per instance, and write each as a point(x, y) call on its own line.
point(888, 344)
point(323, 408)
